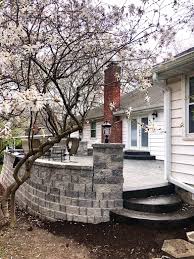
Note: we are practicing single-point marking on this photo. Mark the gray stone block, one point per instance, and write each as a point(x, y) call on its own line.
point(96, 212)
point(74, 201)
point(90, 195)
point(85, 203)
point(69, 217)
point(103, 204)
point(54, 191)
point(82, 211)
point(105, 213)
point(72, 194)
point(79, 187)
point(80, 218)
point(91, 219)
point(95, 203)
point(62, 208)
point(111, 203)
point(60, 215)
point(65, 200)
point(75, 179)
point(72, 210)
point(119, 203)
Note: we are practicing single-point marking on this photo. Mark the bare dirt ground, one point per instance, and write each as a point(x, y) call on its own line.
point(33, 239)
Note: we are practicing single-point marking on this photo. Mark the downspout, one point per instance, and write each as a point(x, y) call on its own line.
point(168, 136)
point(167, 118)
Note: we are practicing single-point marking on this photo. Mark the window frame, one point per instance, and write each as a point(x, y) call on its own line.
point(93, 130)
point(188, 104)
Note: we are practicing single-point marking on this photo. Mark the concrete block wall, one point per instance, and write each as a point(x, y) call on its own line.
point(59, 191)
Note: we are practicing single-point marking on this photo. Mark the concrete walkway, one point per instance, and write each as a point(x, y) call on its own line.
point(137, 174)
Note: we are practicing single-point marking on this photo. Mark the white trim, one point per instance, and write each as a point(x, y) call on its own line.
point(181, 185)
point(186, 90)
point(167, 118)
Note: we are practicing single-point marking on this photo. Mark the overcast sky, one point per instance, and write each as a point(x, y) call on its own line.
point(184, 38)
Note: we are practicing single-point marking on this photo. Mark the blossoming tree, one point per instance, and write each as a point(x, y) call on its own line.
point(53, 54)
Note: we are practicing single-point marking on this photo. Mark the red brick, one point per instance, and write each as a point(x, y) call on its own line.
point(112, 95)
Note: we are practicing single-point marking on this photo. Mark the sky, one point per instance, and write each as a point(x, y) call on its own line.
point(184, 38)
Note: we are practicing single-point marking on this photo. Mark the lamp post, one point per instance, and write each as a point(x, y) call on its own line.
point(106, 128)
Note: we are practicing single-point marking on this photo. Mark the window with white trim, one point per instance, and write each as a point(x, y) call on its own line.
point(191, 105)
point(93, 129)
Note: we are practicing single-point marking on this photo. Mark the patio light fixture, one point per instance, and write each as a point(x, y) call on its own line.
point(106, 128)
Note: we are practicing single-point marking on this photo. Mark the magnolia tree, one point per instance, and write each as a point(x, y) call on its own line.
point(53, 54)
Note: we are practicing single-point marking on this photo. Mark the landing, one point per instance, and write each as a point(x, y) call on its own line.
point(139, 174)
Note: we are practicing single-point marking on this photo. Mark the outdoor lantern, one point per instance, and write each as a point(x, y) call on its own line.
point(106, 127)
point(154, 115)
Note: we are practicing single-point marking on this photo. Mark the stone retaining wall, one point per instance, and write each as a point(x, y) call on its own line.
point(59, 191)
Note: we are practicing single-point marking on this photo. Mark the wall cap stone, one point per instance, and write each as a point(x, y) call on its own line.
point(108, 145)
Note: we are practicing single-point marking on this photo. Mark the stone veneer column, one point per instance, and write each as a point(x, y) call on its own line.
point(108, 171)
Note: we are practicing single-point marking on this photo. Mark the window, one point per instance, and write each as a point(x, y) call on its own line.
point(93, 129)
point(191, 105)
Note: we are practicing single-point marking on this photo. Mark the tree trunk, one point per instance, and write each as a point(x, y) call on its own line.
point(12, 210)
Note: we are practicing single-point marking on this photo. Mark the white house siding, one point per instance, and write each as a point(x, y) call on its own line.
point(87, 134)
point(157, 137)
point(182, 158)
point(125, 132)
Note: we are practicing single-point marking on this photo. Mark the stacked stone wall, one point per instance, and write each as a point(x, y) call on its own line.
point(57, 191)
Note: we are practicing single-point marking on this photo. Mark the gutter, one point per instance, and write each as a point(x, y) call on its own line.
point(142, 109)
point(170, 65)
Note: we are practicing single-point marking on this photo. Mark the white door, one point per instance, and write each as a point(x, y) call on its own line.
point(138, 134)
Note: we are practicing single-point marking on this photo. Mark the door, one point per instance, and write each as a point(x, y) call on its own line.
point(139, 134)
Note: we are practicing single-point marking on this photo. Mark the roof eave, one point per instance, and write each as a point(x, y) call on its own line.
point(174, 67)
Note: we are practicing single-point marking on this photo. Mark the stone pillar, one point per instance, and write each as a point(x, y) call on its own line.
point(108, 173)
point(83, 148)
point(112, 95)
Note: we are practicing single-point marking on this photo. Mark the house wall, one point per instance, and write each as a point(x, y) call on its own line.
point(182, 155)
point(87, 136)
point(156, 138)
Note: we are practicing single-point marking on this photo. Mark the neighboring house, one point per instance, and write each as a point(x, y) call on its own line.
point(176, 78)
point(129, 131)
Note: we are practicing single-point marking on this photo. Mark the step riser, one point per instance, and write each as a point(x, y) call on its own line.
point(136, 157)
point(152, 208)
point(151, 223)
point(137, 153)
point(164, 190)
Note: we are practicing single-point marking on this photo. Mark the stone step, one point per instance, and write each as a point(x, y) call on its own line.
point(181, 217)
point(155, 204)
point(139, 157)
point(144, 192)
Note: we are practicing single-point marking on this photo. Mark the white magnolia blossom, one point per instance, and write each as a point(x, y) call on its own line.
point(112, 106)
point(128, 112)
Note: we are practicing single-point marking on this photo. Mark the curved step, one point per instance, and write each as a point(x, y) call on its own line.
point(163, 189)
point(183, 216)
point(155, 204)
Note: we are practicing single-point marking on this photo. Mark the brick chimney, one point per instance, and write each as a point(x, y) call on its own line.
point(112, 95)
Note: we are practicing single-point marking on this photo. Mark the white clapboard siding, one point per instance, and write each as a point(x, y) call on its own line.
point(87, 134)
point(125, 132)
point(156, 139)
point(182, 157)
